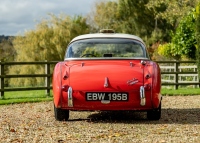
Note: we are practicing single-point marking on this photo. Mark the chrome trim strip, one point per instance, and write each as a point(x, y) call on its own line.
point(106, 58)
point(70, 98)
point(142, 96)
point(132, 81)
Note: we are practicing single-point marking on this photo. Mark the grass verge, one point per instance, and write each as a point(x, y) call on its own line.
point(180, 92)
point(25, 96)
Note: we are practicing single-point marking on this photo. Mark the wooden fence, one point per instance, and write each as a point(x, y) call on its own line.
point(179, 70)
point(47, 75)
point(176, 71)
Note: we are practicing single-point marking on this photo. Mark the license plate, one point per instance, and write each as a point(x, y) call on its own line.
point(110, 96)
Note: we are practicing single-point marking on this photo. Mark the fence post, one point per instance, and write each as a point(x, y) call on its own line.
point(2, 79)
point(198, 77)
point(47, 78)
point(176, 64)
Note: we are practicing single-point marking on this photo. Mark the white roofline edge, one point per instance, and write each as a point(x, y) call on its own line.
point(107, 35)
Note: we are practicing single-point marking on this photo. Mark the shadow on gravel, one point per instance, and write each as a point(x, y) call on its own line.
point(169, 116)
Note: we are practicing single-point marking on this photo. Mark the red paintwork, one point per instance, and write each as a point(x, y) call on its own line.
point(58, 76)
point(89, 76)
point(153, 70)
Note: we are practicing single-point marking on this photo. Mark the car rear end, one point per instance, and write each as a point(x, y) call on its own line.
point(106, 73)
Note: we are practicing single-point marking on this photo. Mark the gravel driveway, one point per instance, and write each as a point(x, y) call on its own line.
point(35, 123)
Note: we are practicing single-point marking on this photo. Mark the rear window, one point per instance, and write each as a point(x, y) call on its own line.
point(110, 48)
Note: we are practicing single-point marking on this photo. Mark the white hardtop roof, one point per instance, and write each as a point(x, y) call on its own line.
point(107, 35)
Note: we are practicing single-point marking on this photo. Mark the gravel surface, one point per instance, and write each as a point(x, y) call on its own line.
point(35, 123)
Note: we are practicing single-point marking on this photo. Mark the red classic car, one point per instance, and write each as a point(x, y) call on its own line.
point(107, 71)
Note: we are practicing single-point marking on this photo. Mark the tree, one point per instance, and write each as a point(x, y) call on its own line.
point(183, 40)
point(7, 51)
point(132, 17)
point(104, 16)
point(47, 42)
point(171, 10)
point(135, 18)
point(198, 37)
point(138, 19)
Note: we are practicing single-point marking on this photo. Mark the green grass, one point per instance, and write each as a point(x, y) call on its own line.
point(181, 91)
point(25, 96)
point(39, 95)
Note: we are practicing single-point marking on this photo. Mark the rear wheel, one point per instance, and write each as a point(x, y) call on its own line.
point(61, 114)
point(154, 114)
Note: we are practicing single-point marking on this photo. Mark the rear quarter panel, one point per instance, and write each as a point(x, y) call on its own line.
point(60, 75)
point(153, 83)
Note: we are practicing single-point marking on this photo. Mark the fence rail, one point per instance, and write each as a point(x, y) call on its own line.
point(174, 71)
point(47, 76)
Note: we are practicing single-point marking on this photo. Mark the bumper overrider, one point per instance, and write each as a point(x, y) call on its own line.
point(70, 97)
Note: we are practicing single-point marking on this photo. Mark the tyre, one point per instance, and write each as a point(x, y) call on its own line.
point(61, 114)
point(154, 114)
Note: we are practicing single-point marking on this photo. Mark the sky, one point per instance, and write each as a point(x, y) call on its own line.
point(18, 16)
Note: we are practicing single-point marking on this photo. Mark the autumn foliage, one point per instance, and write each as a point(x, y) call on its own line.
point(47, 42)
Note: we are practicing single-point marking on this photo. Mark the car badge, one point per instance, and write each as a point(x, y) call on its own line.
point(132, 81)
point(106, 82)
